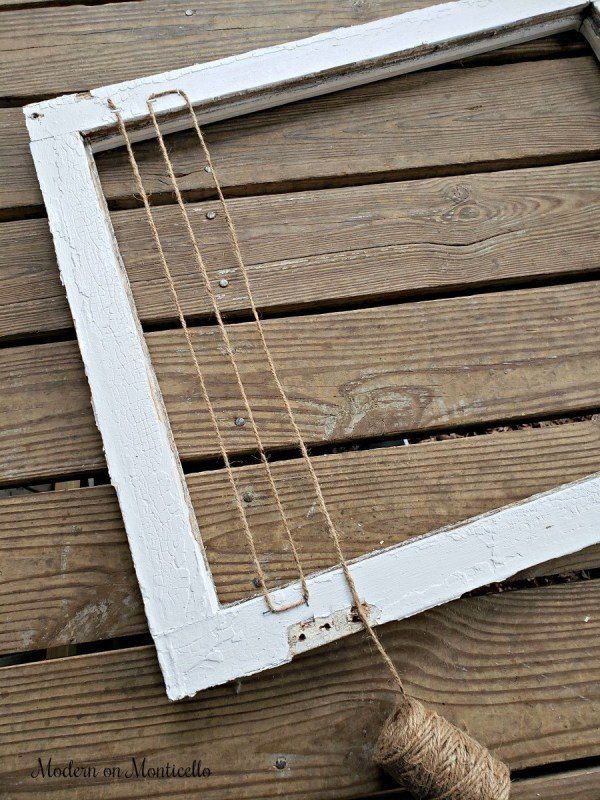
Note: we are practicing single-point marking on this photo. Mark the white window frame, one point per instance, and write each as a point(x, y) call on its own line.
point(201, 642)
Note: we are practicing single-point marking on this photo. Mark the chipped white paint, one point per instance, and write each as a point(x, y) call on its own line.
point(328, 62)
point(397, 582)
point(201, 643)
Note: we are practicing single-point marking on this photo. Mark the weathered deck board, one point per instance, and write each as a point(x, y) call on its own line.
point(18, 182)
point(71, 576)
point(84, 46)
point(400, 126)
point(583, 784)
point(88, 46)
point(577, 785)
point(358, 374)
point(407, 126)
point(520, 670)
point(327, 247)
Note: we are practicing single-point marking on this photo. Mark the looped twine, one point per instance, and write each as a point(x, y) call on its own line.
point(417, 747)
point(434, 760)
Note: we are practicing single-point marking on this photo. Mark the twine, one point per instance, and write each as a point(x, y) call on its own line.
point(434, 760)
point(424, 752)
point(202, 383)
point(359, 605)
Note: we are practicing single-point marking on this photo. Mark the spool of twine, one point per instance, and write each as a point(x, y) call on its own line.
point(434, 760)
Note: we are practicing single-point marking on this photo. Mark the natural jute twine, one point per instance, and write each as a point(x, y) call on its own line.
point(421, 750)
point(435, 760)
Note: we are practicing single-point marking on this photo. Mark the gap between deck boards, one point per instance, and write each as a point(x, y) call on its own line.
point(92, 50)
point(577, 779)
point(556, 115)
point(519, 670)
point(336, 248)
point(356, 374)
point(73, 579)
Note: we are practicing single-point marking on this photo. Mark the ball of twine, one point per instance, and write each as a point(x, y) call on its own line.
point(431, 758)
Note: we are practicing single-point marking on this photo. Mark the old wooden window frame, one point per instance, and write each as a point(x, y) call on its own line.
point(201, 642)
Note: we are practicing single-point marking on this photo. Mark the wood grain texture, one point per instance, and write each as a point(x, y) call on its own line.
point(583, 784)
point(18, 184)
point(403, 125)
point(67, 571)
point(519, 670)
point(96, 45)
point(352, 244)
point(577, 785)
point(348, 375)
point(557, 116)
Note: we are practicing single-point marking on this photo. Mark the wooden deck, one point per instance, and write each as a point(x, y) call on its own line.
point(424, 251)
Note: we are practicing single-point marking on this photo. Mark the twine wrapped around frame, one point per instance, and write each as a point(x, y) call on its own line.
point(434, 760)
point(422, 751)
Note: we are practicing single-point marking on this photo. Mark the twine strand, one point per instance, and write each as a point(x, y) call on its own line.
point(359, 604)
point(203, 388)
point(423, 751)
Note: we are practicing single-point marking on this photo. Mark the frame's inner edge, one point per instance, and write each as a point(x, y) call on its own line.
point(360, 73)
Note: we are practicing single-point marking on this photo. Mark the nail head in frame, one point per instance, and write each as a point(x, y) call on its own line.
point(201, 642)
